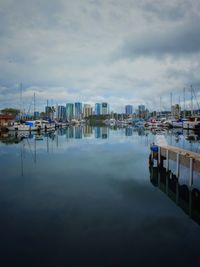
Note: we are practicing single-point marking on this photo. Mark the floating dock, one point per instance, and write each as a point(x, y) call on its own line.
point(161, 151)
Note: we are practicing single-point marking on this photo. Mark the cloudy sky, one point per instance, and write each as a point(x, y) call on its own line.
point(119, 51)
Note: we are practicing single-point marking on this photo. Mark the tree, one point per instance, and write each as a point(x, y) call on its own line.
point(10, 111)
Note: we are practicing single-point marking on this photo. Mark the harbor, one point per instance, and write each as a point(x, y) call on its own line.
point(85, 187)
point(99, 133)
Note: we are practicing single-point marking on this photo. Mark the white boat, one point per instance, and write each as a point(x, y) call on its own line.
point(176, 123)
point(192, 124)
point(31, 126)
point(153, 124)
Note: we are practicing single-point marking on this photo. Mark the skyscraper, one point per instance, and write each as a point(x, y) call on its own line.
point(87, 110)
point(141, 108)
point(78, 111)
point(61, 113)
point(104, 108)
point(97, 109)
point(129, 109)
point(69, 111)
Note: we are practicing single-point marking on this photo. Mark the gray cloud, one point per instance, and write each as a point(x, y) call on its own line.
point(176, 41)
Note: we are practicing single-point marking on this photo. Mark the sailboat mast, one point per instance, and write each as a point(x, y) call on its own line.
point(192, 101)
point(21, 106)
point(34, 106)
point(184, 102)
point(171, 102)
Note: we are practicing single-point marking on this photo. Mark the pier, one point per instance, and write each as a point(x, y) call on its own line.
point(161, 151)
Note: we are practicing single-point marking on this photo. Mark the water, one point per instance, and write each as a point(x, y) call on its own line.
point(86, 197)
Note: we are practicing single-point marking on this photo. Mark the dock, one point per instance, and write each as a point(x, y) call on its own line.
point(161, 151)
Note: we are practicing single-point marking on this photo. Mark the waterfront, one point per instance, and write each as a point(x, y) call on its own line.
point(85, 196)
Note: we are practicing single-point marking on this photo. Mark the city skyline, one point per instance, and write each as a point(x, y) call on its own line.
point(99, 51)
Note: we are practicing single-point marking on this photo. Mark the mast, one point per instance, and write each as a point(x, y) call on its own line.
point(171, 102)
point(184, 102)
point(21, 106)
point(34, 105)
point(192, 101)
point(160, 106)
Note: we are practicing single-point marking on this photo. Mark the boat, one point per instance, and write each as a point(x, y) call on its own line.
point(193, 123)
point(36, 125)
point(175, 123)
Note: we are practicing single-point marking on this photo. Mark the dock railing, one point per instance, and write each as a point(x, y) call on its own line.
point(161, 151)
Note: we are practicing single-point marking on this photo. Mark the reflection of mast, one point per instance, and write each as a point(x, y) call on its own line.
point(35, 151)
point(47, 143)
point(22, 160)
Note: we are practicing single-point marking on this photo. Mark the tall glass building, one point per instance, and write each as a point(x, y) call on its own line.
point(104, 108)
point(129, 109)
point(78, 111)
point(141, 108)
point(69, 111)
point(61, 113)
point(97, 109)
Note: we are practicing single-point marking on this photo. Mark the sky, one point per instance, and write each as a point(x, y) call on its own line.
point(117, 51)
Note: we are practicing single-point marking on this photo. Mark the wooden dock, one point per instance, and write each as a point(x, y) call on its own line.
point(180, 156)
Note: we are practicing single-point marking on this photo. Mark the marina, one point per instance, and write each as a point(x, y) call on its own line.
point(100, 133)
point(85, 191)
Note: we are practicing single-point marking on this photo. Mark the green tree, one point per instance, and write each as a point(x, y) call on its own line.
point(10, 111)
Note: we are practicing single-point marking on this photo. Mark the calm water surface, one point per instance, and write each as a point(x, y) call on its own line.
point(86, 197)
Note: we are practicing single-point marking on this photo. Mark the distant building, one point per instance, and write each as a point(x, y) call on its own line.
point(141, 111)
point(78, 111)
point(97, 109)
point(50, 112)
point(129, 109)
point(61, 113)
point(176, 110)
point(87, 110)
point(104, 108)
point(69, 111)
point(141, 108)
point(36, 115)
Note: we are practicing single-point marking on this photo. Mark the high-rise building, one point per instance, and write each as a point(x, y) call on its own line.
point(129, 109)
point(141, 108)
point(176, 111)
point(97, 109)
point(69, 111)
point(50, 112)
point(87, 110)
point(61, 113)
point(104, 108)
point(36, 115)
point(78, 111)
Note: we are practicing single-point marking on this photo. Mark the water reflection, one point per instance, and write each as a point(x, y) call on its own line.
point(181, 138)
point(188, 199)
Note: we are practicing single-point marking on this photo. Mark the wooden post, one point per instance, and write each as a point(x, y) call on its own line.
point(167, 160)
point(152, 159)
point(191, 172)
point(177, 192)
point(167, 184)
point(159, 157)
point(177, 165)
